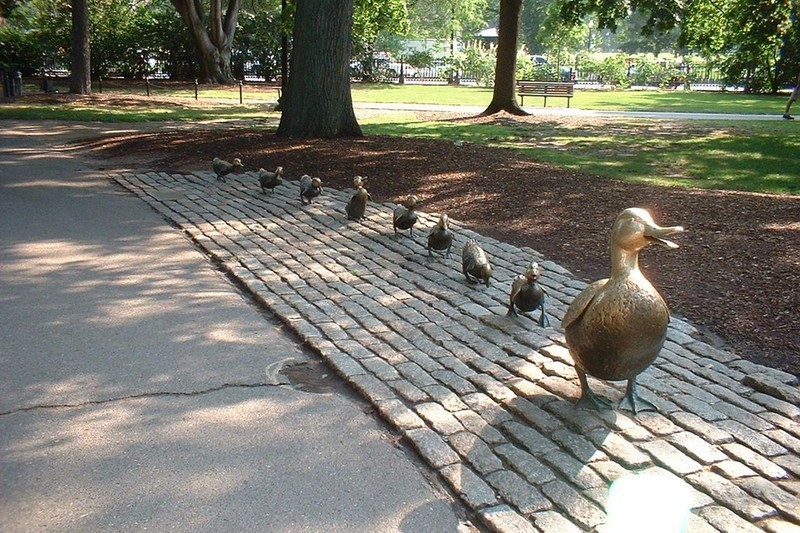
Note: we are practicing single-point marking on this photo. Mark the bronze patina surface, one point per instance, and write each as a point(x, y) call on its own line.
point(616, 327)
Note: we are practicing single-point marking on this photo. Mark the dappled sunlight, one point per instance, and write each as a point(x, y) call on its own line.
point(633, 150)
point(71, 183)
point(146, 455)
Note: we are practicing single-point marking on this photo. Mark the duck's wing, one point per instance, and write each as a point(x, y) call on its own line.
point(581, 302)
point(516, 286)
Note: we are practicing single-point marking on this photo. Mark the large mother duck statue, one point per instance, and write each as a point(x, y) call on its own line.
point(616, 327)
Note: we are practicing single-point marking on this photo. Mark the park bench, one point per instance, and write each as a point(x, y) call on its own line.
point(560, 89)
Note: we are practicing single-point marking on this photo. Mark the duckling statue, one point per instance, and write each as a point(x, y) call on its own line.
point(270, 180)
point(616, 327)
point(440, 237)
point(528, 295)
point(405, 216)
point(474, 263)
point(310, 188)
point(222, 168)
point(357, 206)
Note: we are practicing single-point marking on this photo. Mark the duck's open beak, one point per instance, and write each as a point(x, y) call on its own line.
point(656, 234)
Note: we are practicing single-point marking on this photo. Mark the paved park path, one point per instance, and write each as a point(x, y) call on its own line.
point(488, 400)
point(142, 391)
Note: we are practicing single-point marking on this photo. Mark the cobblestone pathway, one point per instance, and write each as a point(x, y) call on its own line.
point(488, 400)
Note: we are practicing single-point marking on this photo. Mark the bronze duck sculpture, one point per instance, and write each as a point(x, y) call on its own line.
point(270, 180)
point(310, 188)
point(222, 168)
point(404, 216)
point(357, 206)
point(528, 295)
point(475, 264)
point(440, 237)
point(616, 327)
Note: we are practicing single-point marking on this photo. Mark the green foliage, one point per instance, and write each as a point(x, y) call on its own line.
point(611, 70)
point(162, 35)
point(558, 36)
point(258, 43)
point(533, 14)
point(646, 70)
point(420, 58)
point(113, 38)
point(36, 36)
point(479, 61)
point(372, 17)
point(448, 18)
point(759, 37)
point(526, 69)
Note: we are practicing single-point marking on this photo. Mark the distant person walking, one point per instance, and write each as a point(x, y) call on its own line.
point(792, 98)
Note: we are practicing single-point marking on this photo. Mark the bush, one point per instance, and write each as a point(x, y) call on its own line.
point(479, 62)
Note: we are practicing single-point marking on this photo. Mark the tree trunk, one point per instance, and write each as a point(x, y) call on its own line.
point(214, 47)
point(317, 102)
point(80, 81)
point(504, 97)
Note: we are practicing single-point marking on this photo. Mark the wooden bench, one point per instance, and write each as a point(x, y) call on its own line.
point(559, 89)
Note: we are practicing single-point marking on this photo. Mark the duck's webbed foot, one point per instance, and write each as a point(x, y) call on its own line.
point(632, 402)
point(588, 399)
point(544, 322)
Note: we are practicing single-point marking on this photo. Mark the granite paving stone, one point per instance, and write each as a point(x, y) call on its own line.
point(581, 510)
point(578, 445)
point(726, 520)
point(733, 469)
point(574, 470)
point(787, 504)
point(670, 457)
point(439, 418)
point(518, 492)
point(527, 465)
point(731, 495)
point(487, 400)
point(477, 452)
point(476, 424)
point(504, 518)
point(790, 462)
point(446, 397)
point(752, 439)
point(534, 415)
point(472, 488)
point(755, 461)
point(696, 447)
point(408, 391)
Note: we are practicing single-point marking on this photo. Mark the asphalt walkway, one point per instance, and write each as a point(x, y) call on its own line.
point(142, 391)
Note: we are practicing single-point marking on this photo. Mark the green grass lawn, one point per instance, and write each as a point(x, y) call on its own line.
point(672, 101)
point(755, 156)
point(752, 155)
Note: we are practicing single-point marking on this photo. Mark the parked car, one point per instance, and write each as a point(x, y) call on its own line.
point(393, 68)
point(384, 68)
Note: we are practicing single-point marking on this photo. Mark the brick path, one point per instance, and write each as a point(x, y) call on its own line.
point(488, 400)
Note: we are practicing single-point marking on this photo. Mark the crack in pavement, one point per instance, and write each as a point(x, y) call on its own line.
point(142, 395)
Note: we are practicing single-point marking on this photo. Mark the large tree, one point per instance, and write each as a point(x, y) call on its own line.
point(504, 97)
point(213, 34)
point(318, 102)
point(80, 54)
